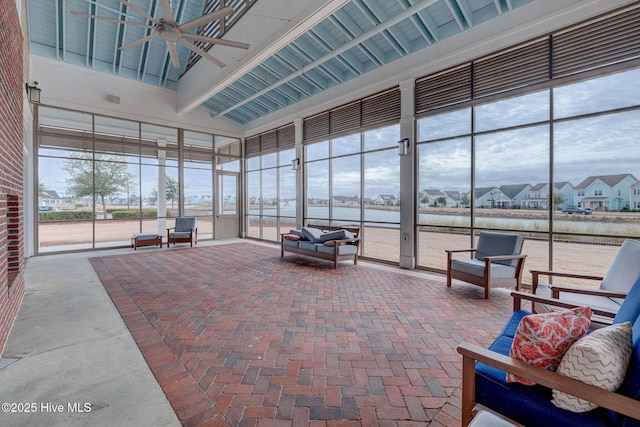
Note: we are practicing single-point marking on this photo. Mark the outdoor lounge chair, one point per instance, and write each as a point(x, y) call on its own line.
point(614, 286)
point(497, 262)
point(185, 231)
point(484, 382)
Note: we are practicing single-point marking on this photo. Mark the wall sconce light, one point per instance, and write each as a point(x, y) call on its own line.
point(33, 92)
point(295, 164)
point(403, 147)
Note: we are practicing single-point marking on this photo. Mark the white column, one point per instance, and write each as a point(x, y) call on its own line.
point(162, 187)
point(407, 174)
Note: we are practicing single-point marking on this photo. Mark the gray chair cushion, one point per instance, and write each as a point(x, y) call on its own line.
point(145, 236)
point(611, 304)
point(624, 269)
point(312, 234)
point(493, 244)
point(342, 249)
point(185, 224)
point(476, 268)
point(180, 235)
point(336, 235)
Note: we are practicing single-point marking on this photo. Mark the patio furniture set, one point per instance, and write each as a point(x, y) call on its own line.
point(184, 231)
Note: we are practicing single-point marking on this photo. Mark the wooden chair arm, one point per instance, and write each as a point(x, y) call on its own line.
point(519, 296)
point(453, 251)
point(471, 353)
point(504, 257)
point(556, 289)
point(536, 273)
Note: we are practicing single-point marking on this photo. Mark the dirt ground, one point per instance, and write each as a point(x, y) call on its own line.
point(378, 243)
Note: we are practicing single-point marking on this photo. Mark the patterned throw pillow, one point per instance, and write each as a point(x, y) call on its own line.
point(601, 359)
point(542, 339)
point(291, 237)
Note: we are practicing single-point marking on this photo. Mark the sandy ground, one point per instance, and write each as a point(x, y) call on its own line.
point(378, 243)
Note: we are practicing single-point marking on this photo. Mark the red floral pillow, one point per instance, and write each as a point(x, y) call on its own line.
point(291, 237)
point(542, 339)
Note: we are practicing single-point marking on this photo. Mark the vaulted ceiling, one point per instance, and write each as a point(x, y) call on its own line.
point(298, 49)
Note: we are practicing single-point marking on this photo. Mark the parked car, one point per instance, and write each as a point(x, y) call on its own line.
point(45, 208)
point(576, 210)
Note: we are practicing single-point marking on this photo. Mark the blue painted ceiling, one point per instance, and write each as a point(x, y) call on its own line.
point(358, 37)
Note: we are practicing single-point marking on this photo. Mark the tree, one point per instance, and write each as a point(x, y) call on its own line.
point(42, 191)
point(100, 178)
point(171, 191)
point(464, 200)
point(559, 199)
point(441, 201)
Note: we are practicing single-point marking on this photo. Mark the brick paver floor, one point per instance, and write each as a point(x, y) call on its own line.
point(237, 336)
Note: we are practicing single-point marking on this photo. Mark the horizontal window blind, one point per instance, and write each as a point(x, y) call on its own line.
point(383, 107)
point(605, 40)
point(276, 139)
point(447, 87)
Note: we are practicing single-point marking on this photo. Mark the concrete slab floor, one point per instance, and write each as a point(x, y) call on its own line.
point(70, 360)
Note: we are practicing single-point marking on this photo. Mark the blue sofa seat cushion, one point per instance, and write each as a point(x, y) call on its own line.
point(476, 268)
point(291, 243)
point(309, 246)
point(342, 249)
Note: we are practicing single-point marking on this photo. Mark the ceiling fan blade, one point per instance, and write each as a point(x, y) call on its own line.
point(173, 53)
point(117, 21)
point(166, 10)
point(202, 53)
point(139, 41)
point(220, 42)
point(139, 11)
point(205, 19)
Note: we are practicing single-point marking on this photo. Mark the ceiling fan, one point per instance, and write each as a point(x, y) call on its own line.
point(172, 32)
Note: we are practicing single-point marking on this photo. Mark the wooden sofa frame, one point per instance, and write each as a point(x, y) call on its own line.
point(472, 353)
point(335, 257)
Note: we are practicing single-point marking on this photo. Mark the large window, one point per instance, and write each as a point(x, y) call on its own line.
point(530, 158)
point(271, 194)
point(101, 179)
point(355, 180)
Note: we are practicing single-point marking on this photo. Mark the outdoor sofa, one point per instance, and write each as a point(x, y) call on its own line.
point(333, 243)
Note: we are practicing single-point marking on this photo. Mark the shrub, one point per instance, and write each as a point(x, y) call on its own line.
point(65, 215)
point(127, 214)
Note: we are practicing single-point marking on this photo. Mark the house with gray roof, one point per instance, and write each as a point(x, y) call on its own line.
point(516, 193)
point(538, 195)
point(634, 196)
point(604, 192)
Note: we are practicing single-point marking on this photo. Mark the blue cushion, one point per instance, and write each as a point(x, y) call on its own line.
point(342, 249)
point(476, 268)
point(630, 308)
point(493, 244)
point(185, 224)
point(336, 235)
point(312, 234)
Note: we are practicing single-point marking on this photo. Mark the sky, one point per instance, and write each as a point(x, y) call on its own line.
point(519, 154)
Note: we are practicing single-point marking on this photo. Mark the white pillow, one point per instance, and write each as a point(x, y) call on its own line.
point(601, 359)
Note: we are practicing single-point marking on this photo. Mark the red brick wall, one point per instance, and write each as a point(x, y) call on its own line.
point(11, 167)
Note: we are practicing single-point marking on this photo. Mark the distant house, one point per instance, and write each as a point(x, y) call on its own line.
point(453, 198)
point(491, 197)
point(634, 196)
point(604, 192)
point(51, 197)
point(516, 193)
point(538, 196)
point(386, 199)
point(432, 197)
point(346, 200)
